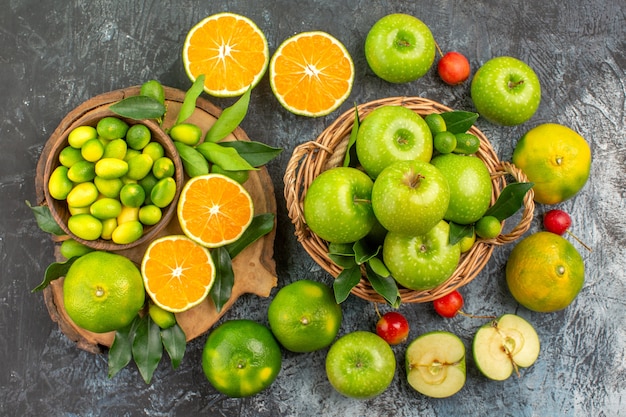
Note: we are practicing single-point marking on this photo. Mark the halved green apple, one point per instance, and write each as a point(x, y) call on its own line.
point(435, 364)
point(504, 345)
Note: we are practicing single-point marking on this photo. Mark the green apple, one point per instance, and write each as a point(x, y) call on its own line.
point(410, 197)
point(389, 134)
point(504, 345)
point(337, 206)
point(424, 261)
point(470, 186)
point(435, 364)
point(400, 48)
point(506, 91)
point(360, 365)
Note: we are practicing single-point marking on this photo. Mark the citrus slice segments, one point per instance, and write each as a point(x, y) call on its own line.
point(214, 210)
point(311, 74)
point(230, 50)
point(177, 273)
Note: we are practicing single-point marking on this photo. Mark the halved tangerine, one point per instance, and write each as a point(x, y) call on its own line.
point(311, 73)
point(177, 273)
point(214, 210)
point(230, 50)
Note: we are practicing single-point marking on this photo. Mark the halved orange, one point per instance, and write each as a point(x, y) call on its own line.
point(230, 50)
point(214, 210)
point(311, 74)
point(177, 273)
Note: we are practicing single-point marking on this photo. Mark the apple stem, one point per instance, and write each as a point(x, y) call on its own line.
point(513, 84)
point(579, 241)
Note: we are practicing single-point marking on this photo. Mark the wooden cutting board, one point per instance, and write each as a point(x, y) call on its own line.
point(254, 268)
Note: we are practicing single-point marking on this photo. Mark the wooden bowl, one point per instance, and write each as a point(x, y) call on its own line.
point(312, 158)
point(59, 209)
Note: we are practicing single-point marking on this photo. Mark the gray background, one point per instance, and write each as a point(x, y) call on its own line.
point(54, 55)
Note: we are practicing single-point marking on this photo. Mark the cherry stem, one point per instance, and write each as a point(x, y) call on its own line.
point(579, 241)
point(376, 308)
point(439, 49)
point(474, 316)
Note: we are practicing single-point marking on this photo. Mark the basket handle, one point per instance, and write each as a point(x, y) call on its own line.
point(508, 168)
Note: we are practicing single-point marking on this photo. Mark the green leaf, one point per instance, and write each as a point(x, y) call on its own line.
point(54, 271)
point(189, 102)
point(364, 252)
point(230, 118)
point(121, 351)
point(379, 267)
point(175, 343)
point(194, 163)
point(225, 157)
point(138, 108)
point(345, 281)
point(459, 231)
point(351, 158)
point(147, 347)
point(261, 225)
point(256, 153)
point(345, 262)
point(342, 254)
point(459, 121)
point(45, 221)
point(385, 286)
point(342, 249)
point(224, 277)
point(510, 200)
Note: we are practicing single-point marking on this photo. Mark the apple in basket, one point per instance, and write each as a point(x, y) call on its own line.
point(337, 206)
point(421, 262)
point(389, 134)
point(410, 197)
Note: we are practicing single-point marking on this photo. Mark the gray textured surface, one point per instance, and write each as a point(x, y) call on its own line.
point(54, 55)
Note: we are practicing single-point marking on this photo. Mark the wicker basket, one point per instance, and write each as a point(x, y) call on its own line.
point(328, 150)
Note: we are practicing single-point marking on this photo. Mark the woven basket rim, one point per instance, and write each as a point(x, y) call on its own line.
point(311, 158)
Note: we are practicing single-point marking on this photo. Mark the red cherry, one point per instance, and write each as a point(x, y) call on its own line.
point(557, 221)
point(449, 305)
point(393, 327)
point(453, 68)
